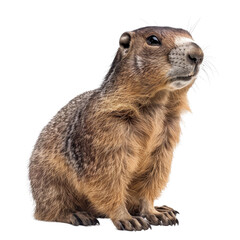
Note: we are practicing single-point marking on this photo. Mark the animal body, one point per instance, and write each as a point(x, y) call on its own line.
point(108, 152)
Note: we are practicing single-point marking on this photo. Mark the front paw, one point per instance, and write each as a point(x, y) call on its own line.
point(161, 219)
point(163, 216)
point(166, 209)
point(133, 224)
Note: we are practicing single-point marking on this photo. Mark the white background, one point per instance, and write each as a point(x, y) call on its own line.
point(51, 51)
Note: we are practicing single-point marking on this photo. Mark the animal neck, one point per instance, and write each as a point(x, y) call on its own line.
point(126, 99)
point(124, 93)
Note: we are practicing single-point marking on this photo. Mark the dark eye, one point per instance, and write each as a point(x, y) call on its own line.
point(153, 41)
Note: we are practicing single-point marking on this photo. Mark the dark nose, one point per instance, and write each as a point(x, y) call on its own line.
point(195, 54)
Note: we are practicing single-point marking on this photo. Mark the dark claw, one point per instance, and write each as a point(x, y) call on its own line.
point(94, 221)
point(97, 222)
point(160, 218)
point(133, 224)
point(143, 223)
point(172, 214)
point(78, 219)
point(177, 221)
point(170, 222)
point(122, 226)
point(125, 227)
point(149, 226)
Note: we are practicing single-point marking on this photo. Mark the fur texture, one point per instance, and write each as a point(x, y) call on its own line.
point(108, 152)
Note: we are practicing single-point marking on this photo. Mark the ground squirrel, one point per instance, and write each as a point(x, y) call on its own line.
point(108, 152)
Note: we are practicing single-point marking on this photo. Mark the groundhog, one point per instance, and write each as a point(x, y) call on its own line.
point(108, 152)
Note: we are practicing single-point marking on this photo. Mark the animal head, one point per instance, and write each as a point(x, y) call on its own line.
point(156, 58)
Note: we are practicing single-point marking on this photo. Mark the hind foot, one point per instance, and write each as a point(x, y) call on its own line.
point(165, 216)
point(82, 218)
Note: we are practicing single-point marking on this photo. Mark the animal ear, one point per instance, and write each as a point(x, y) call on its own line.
point(125, 42)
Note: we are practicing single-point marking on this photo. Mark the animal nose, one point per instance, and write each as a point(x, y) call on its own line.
point(194, 54)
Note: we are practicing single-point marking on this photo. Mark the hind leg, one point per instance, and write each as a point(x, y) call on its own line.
point(61, 207)
point(57, 201)
point(55, 196)
point(75, 218)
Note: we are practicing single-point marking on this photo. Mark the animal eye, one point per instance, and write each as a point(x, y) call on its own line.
point(153, 41)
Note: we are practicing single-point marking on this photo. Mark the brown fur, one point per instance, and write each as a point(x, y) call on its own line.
point(109, 151)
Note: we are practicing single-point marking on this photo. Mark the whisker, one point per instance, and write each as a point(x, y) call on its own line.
point(205, 74)
point(145, 22)
point(193, 27)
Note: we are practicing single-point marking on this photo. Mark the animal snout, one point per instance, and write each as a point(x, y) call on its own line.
point(186, 56)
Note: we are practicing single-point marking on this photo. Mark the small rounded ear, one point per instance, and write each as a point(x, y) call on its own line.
point(125, 41)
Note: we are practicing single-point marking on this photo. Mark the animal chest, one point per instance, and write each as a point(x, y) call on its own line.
point(148, 133)
point(155, 136)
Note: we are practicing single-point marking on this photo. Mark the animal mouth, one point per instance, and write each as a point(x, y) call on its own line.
point(187, 77)
point(183, 78)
